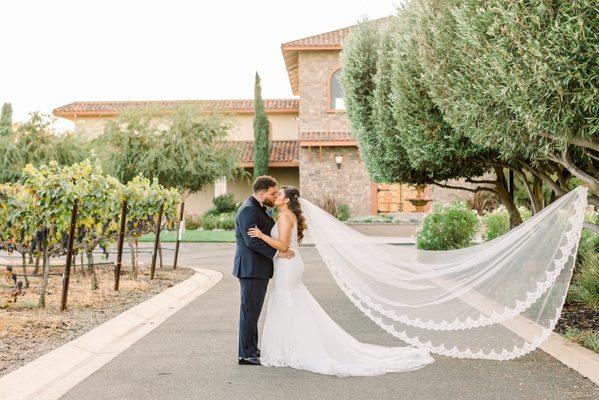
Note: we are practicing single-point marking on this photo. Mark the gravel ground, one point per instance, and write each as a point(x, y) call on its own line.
point(577, 315)
point(27, 332)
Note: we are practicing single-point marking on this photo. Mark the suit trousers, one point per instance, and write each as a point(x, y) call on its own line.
point(253, 292)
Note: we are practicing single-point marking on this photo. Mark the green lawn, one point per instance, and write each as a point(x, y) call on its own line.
point(192, 236)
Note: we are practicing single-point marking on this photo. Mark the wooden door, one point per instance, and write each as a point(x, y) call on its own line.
point(389, 198)
point(392, 198)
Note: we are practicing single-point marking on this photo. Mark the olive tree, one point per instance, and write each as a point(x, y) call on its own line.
point(519, 77)
point(402, 133)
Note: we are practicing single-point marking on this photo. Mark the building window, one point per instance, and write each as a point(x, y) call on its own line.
point(336, 94)
point(220, 187)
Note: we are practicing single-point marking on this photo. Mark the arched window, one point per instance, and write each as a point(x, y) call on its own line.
point(336, 94)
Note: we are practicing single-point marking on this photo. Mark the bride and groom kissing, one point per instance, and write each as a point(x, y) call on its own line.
point(297, 332)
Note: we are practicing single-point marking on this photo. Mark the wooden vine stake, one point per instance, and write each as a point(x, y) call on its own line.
point(119, 251)
point(156, 241)
point(178, 234)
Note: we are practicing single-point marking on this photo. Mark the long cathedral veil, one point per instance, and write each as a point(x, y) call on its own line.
point(497, 300)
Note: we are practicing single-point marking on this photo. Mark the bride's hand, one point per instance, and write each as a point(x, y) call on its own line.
point(255, 232)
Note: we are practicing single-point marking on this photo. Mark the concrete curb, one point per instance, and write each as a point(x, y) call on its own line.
point(573, 355)
point(53, 374)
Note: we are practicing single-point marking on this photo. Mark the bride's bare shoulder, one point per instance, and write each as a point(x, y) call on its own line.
point(288, 221)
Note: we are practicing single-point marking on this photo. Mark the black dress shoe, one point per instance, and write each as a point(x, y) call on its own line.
point(249, 361)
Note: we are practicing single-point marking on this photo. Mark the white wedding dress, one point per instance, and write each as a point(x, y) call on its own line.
point(298, 333)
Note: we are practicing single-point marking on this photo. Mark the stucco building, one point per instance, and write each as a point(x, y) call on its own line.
point(311, 142)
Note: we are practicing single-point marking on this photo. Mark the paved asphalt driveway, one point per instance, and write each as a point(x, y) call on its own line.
point(193, 356)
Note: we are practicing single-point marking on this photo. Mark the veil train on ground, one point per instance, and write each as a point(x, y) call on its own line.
point(496, 300)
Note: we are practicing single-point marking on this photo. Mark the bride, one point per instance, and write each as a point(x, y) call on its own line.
point(298, 333)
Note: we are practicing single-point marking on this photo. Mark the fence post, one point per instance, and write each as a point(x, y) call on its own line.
point(179, 233)
point(67, 267)
point(156, 240)
point(119, 252)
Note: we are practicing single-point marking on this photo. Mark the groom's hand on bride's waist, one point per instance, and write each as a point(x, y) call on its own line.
point(286, 254)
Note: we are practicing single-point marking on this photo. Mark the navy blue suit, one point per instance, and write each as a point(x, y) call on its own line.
point(253, 266)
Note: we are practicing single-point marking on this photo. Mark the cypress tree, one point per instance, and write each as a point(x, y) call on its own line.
point(261, 145)
point(6, 120)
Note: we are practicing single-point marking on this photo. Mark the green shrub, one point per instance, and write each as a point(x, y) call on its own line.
point(588, 339)
point(209, 222)
point(331, 205)
point(498, 221)
point(224, 203)
point(450, 226)
point(226, 221)
point(343, 212)
point(193, 222)
point(592, 217)
point(212, 212)
point(585, 286)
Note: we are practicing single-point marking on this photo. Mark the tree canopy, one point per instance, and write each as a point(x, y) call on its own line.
point(34, 142)
point(261, 132)
point(455, 89)
point(185, 149)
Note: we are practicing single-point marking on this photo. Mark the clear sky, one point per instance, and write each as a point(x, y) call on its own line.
point(60, 51)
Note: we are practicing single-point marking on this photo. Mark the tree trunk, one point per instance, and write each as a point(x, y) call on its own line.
point(563, 178)
point(36, 270)
point(42, 300)
point(506, 199)
point(24, 258)
point(572, 169)
point(529, 191)
point(538, 197)
point(93, 279)
point(82, 269)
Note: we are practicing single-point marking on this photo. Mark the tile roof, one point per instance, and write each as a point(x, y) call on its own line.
point(114, 107)
point(332, 40)
point(331, 138)
point(283, 153)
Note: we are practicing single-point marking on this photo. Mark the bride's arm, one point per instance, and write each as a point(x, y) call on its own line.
point(285, 225)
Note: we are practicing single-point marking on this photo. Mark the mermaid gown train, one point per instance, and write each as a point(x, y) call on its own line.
point(298, 333)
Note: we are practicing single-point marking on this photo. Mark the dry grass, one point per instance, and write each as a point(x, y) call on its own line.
point(27, 332)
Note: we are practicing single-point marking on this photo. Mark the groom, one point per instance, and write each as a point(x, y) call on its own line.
point(253, 264)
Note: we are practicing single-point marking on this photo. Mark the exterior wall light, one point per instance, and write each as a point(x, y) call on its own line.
point(338, 160)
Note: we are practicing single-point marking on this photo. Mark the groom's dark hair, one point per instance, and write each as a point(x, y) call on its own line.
point(264, 182)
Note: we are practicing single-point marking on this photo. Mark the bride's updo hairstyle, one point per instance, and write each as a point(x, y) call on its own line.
point(293, 195)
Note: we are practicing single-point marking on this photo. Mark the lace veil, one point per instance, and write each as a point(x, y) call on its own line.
point(497, 300)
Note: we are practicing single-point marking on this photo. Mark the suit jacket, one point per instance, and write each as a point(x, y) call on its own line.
point(253, 256)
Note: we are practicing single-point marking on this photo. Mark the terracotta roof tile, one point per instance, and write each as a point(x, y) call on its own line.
point(282, 152)
point(332, 40)
point(114, 107)
point(328, 39)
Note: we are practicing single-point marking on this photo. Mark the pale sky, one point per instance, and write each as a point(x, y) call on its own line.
point(60, 51)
